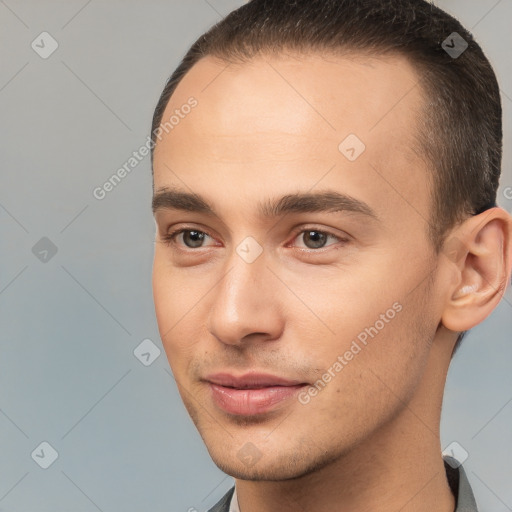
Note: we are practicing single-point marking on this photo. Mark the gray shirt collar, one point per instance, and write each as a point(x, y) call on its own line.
point(459, 484)
point(457, 479)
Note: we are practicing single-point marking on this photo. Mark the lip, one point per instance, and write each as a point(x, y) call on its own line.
point(252, 393)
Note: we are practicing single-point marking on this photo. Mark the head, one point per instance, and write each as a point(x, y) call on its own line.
point(337, 176)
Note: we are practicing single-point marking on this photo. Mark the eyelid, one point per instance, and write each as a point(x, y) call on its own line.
point(301, 229)
point(170, 238)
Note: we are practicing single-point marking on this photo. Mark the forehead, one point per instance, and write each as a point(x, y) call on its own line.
point(301, 93)
point(285, 119)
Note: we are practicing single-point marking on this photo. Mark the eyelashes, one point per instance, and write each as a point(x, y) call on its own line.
point(314, 235)
point(170, 238)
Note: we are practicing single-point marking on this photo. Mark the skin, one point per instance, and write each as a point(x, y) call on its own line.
point(266, 128)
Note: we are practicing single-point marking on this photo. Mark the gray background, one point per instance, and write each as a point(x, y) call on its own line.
point(69, 326)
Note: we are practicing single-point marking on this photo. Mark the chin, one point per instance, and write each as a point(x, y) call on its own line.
point(259, 472)
point(290, 464)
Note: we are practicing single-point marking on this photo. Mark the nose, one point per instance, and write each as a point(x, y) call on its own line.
point(245, 304)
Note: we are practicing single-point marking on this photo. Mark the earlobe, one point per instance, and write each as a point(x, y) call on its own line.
point(482, 266)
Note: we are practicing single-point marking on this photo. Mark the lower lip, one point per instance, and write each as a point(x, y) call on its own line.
point(251, 401)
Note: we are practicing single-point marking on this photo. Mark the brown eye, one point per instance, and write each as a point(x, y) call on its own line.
point(192, 238)
point(314, 239)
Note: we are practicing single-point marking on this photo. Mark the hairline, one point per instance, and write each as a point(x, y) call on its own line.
point(422, 131)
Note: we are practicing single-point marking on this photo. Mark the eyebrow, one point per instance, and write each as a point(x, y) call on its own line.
point(326, 201)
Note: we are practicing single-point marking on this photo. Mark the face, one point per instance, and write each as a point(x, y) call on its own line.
point(293, 280)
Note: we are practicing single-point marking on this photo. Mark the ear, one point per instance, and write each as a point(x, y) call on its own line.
point(479, 254)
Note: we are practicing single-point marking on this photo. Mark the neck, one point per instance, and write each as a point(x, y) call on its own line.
point(400, 468)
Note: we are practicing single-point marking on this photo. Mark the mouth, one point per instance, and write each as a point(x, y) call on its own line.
point(252, 393)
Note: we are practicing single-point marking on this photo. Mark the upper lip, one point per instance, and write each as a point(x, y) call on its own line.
point(250, 380)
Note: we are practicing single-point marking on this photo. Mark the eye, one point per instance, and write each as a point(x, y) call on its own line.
point(311, 238)
point(316, 239)
point(191, 238)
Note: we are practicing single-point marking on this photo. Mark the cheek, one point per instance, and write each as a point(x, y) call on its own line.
point(342, 303)
point(396, 353)
point(172, 305)
point(163, 297)
point(375, 380)
point(174, 293)
point(377, 322)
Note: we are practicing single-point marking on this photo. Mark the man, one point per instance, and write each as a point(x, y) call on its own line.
point(325, 176)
